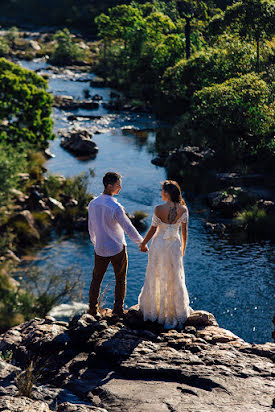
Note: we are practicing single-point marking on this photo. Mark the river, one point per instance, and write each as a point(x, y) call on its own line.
point(232, 279)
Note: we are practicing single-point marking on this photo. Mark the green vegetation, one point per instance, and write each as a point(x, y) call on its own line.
point(35, 295)
point(6, 356)
point(241, 107)
point(25, 380)
point(25, 106)
point(195, 60)
point(255, 221)
point(66, 51)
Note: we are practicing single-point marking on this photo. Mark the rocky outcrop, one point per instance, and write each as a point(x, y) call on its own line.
point(231, 200)
point(188, 158)
point(114, 364)
point(69, 103)
point(79, 143)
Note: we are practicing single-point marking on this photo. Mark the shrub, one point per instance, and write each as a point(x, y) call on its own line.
point(12, 35)
point(239, 108)
point(256, 222)
point(25, 379)
point(12, 162)
point(215, 65)
point(36, 294)
point(4, 47)
point(66, 51)
point(25, 106)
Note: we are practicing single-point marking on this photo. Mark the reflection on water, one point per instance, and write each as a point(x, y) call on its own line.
point(232, 280)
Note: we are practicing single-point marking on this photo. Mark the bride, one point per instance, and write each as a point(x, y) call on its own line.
point(164, 296)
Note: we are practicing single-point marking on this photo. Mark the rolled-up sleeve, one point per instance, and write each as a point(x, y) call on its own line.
point(127, 225)
point(90, 227)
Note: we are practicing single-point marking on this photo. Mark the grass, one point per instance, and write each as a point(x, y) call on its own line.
point(25, 380)
point(7, 356)
point(257, 222)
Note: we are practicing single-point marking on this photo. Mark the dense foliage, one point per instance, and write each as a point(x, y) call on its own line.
point(25, 106)
point(66, 50)
point(240, 106)
point(197, 60)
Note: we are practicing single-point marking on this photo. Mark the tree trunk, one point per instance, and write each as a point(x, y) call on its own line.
point(258, 56)
point(187, 38)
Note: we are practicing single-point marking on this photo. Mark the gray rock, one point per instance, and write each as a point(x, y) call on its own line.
point(79, 143)
point(69, 103)
point(69, 407)
point(119, 365)
point(25, 227)
point(34, 45)
point(22, 404)
point(54, 203)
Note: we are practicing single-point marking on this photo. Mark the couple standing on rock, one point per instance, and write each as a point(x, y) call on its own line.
point(164, 297)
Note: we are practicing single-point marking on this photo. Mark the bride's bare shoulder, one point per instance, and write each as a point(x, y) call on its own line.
point(183, 208)
point(158, 210)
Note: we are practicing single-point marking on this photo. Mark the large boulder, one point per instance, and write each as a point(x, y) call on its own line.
point(79, 143)
point(187, 159)
point(23, 224)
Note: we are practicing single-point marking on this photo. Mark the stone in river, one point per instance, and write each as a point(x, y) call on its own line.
point(79, 143)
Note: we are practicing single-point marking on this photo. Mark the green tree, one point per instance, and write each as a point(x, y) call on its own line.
point(231, 58)
point(190, 10)
point(240, 108)
point(25, 106)
point(124, 20)
point(252, 19)
point(66, 51)
point(158, 25)
point(168, 52)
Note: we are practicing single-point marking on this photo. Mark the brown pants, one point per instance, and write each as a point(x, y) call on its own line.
point(120, 264)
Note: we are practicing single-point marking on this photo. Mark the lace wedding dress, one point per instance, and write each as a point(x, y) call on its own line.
point(164, 297)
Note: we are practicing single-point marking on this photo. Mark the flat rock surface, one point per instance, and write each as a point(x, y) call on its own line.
point(115, 365)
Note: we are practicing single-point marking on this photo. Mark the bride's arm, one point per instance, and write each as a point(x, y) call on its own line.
point(184, 236)
point(148, 237)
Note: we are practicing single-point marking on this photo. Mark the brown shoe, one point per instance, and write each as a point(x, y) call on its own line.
point(119, 313)
point(94, 313)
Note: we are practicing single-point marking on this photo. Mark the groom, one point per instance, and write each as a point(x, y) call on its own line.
point(107, 223)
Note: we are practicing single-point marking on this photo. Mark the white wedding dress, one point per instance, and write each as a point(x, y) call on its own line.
point(164, 297)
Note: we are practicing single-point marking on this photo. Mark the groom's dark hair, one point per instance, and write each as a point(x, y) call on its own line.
point(110, 178)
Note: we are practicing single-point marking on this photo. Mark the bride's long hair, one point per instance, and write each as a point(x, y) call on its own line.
point(173, 189)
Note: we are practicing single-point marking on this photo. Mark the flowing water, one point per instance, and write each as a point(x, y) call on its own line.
point(233, 280)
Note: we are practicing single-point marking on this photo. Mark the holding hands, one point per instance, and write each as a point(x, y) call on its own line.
point(143, 247)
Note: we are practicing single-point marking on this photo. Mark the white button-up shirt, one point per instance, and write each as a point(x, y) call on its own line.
point(107, 222)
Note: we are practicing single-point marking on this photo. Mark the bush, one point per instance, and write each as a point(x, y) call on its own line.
point(256, 222)
point(12, 162)
point(215, 65)
point(239, 108)
point(12, 35)
point(25, 106)
point(4, 47)
point(36, 294)
point(66, 51)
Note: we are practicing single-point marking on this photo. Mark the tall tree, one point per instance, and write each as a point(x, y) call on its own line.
point(252, 19)
point(190, 10)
